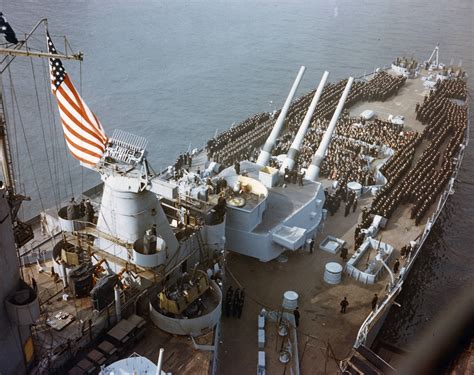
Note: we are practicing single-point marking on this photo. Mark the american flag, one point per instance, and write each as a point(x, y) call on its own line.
point(83, 131)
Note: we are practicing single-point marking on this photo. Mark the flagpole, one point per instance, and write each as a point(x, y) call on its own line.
point(16, 51)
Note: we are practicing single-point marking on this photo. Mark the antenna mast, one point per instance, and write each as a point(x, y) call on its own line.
point(20, 49)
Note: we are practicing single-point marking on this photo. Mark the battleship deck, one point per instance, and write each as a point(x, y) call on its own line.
point(325, 336)
point(181, 356)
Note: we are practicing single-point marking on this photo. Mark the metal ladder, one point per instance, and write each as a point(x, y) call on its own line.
point(203, 250)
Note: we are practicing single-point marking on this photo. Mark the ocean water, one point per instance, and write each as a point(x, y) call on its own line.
point(177, 71)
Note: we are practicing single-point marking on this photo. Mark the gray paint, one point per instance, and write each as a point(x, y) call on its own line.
point(11, 353)
point(193, 327)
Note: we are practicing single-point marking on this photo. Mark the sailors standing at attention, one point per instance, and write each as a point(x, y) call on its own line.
point(72, 210)
point(237, 167)
point(344, 303)
point(228, 301)
point(294, 176)
point(396, 266)
point(403, 251)
point(365, 214)
point(34, 284)
point(296, 314)
point(82, 207)
point(300, 178)
point(344, 252)
point(236, 303)
point(347, 209)
point(286, 177)
point(311, 246)
point(374, 302)
point(89, 211)
point(241, 302)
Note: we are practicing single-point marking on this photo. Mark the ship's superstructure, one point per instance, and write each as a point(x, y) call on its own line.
point(137, 262)
point(142, 242)
point(20, 307)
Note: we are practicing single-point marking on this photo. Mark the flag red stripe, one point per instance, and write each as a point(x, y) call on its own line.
point(74, 92)
point(81, 126)
point(102, 134)
point(84, 150)
point(81, 138)
point(79, 107)
point(78, 157)
point(83, 132)
point(71, 102)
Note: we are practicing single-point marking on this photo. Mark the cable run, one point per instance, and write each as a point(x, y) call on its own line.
point(52, 133)
point(26, 140)
point(42, 129)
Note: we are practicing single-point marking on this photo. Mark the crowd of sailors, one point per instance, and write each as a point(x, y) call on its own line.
point(382, 86)
point(406, 62)
point(234, 302)
point(356, 141)
point(184, 161)
point(240, 142)
point(446, 123)
point(353, 145)
point(83, 209)
point(342, 194)
point(440, 98)
point(236, 143)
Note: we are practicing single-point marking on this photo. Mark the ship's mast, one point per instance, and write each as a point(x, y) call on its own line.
point(17, 312)
point(5, 153)
point(20, 49)
point(435, 55)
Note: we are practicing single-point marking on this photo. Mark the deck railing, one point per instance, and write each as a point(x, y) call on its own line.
point(374, 316)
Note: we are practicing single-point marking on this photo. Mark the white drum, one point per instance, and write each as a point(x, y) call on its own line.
point(333, 273)
point(290, 300)
point(355, 187)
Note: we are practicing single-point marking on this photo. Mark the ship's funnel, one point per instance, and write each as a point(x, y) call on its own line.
point(297, 142)
point(271, 141)
point(315, 167)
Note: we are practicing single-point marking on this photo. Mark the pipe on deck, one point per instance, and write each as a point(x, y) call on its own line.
point(266, 152)
point(118, 304)
point(294, 150)
point(315, 167)
point(160, 362)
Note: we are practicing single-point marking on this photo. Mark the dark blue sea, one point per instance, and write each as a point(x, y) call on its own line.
point(177, 71)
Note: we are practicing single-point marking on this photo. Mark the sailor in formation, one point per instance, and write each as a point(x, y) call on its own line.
point(241, 141)
point(234, 302)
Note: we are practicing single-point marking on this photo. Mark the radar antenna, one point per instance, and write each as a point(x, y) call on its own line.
point(435, 55)
point(126, 147)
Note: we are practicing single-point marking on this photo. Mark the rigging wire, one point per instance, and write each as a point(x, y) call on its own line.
point(15, 157)
point(42, 129)
point(54, 135)
point(52, 132)
point(68, 165)
point(80, 92)
point(16, 165)
point(25, 138)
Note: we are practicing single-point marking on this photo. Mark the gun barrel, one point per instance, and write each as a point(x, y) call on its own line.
point(315, 167)
point(298, 141)
point(266, 152)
